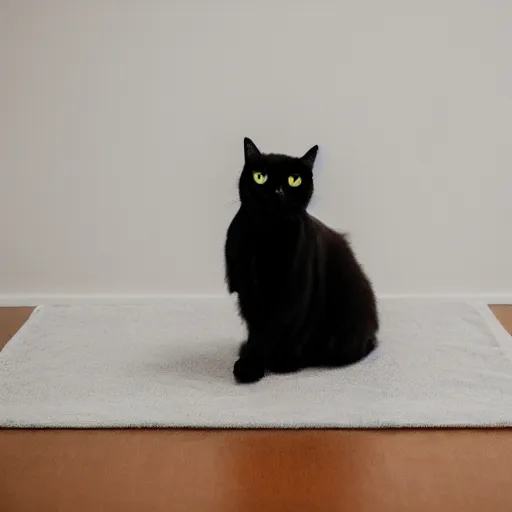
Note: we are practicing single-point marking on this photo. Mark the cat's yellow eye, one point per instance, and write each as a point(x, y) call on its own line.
point(259, 177)
point(294, 181)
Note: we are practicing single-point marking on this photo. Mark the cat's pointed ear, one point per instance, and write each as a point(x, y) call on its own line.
point(309, 158)
point(252, 153)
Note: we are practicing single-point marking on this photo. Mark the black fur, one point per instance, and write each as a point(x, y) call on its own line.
point(304, 297)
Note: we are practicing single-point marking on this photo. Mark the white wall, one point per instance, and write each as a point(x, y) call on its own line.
point(121, 126)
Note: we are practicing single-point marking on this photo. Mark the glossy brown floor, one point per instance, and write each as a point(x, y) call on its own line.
point(75, 471)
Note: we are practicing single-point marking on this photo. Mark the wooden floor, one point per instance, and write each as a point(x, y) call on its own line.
point(244, 471)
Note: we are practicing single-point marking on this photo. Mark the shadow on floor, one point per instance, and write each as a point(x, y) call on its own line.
point(202, 362)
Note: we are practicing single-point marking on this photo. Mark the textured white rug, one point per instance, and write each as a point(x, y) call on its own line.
point(439, 364)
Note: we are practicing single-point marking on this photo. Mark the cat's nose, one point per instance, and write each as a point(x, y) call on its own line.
point(280, 192)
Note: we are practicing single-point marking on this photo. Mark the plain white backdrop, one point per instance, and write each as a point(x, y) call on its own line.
point(121, 127)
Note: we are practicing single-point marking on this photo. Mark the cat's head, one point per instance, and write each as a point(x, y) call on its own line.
point(274, 183)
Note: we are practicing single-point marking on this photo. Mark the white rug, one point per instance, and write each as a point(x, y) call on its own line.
point(439, 364)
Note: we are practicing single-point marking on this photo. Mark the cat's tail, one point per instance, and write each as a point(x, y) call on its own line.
point(373, 343)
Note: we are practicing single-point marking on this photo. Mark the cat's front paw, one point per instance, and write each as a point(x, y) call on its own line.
point(247, 371)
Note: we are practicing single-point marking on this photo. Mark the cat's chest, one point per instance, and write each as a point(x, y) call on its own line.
point(270, 252)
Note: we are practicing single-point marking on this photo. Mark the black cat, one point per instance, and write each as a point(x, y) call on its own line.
point(304, 297)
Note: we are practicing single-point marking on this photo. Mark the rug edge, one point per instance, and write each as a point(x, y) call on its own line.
point(499, 332)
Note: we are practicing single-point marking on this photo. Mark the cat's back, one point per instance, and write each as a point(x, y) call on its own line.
point(333, 250)
point(325, 235)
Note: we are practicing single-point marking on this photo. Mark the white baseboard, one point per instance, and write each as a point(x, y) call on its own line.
point(485, 298)
point(37, 300)
point(64, 300)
